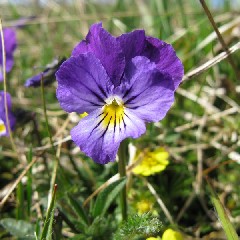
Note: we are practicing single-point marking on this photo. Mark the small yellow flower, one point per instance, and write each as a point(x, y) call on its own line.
point(153, 238)
point(153, 162)
point(144, 206)
point(170, 234)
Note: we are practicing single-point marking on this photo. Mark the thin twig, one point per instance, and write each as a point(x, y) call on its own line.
point(211, 62)
point(224, 45)
point(160, 201)
point(212, 36)
point(186, 206)
point(215, 116)
point(113, 179)
point(17, 181)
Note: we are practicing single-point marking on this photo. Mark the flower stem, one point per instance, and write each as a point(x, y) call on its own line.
point(56, 162)
point(122, 154)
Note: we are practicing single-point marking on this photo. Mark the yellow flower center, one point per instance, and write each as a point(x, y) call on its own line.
point(113, 112)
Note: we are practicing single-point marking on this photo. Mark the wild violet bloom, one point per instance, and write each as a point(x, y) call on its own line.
point(48, 74)
point(3, 121)
point(10, 42)
point(122, 83)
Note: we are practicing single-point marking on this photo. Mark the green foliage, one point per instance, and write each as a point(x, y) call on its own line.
point(106, 197)
point(82, 215)
point(99, 229)
point(47, 226)
point(144, 225)
point(18, 228)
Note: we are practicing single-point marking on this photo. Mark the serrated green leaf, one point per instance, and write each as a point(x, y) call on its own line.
point(18, 228)
point(106, 197)
point(144, 225)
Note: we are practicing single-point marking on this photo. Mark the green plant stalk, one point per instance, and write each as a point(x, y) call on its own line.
point(29, 184)
point(20, 201)
point(55, 167)
point(168, 17)
point(182, 12)
point(122, 154)
point(45, 114)
point(50, 210)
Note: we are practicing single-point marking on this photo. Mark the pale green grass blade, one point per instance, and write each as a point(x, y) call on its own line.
point(48, 221)
point(223, 217)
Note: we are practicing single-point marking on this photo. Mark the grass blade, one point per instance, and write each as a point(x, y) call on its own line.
point(223, 217)
point(79, 210)
point(29, 185)
point(106, 197)
point(48, 220)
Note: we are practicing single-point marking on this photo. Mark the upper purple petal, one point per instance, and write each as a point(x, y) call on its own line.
point(106, 48)
point(11, 117)
point(132, 44)
point(83, 84)
point(146, 91)
point(165, 58)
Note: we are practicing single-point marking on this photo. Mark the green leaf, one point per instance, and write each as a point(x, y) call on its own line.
point(49, 217)
point(80, 237)
point(226, 224)
point(106, 197)
point(18, 228)
point(50, 227)
point(78, 209)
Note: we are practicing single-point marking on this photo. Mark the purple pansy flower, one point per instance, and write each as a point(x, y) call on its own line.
point(122, 83)
point(10, 45)
point(3, 121)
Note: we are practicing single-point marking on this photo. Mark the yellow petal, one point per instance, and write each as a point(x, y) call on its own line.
point(170, 234)
point(153, 162)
